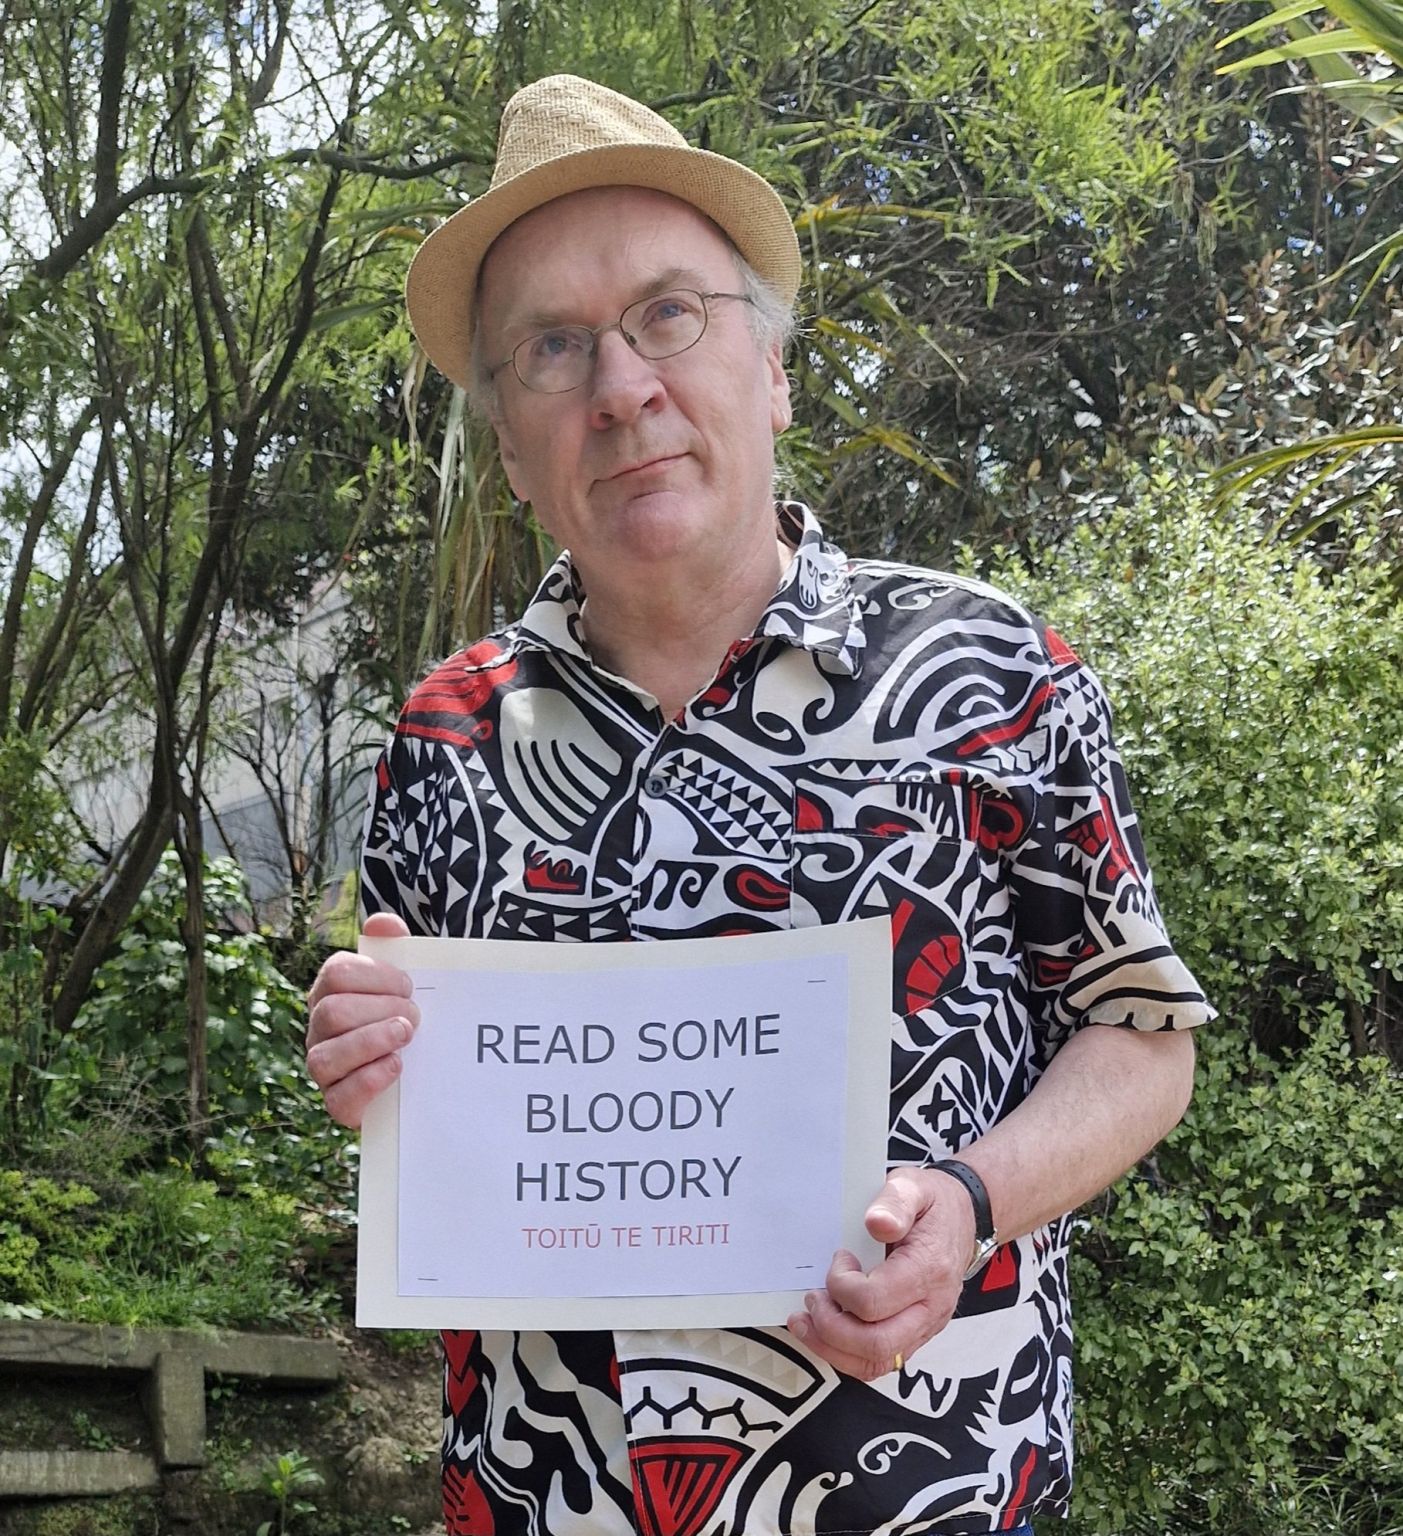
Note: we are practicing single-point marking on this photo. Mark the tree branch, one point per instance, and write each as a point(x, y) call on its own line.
point(109, 108)
point(43, 673)
point(94, 224)
point(306, 301)
point(339, 160)
point(201, 303)
point(24, 560)
point(262, 88)
point(92, 605)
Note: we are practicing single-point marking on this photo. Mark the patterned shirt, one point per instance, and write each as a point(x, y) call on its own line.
point(890, 740)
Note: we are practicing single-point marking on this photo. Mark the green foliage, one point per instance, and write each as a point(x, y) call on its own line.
point(1343, 55)
point(1262, 730)
point(287, 1476)
point(267, 1120)
point(27, 928)
point(135, 1013)
point(106, 1224)
point(34, 1213)
point(1240, 1302)
point(91, 1436)
point(35, 827)
point(122, 1515)
point(1240, 1315)
point(36, 837)
point(155, 1249)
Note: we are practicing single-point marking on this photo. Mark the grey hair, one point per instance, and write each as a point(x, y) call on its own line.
point(771, 318)
point(482, 390)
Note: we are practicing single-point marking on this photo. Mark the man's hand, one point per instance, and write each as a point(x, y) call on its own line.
point(1107, 1097)
point(360, 1012)
point(861, 1322)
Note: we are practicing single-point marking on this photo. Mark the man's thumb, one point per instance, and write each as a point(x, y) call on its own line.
point(893, 1213)
point(385, 925)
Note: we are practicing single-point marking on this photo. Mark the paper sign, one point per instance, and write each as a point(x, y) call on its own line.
point(671, 1134)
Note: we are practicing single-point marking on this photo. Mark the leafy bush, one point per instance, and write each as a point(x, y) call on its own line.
point(159, 1248)
point(1240, 1316)
point(1239, 1303)
point(269, 1124)
point(108, 1223)
point(37, 836)
point(1260, 717)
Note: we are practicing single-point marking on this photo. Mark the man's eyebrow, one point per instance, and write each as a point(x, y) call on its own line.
point(661, 282)
point(538, 320)
point(673, 277)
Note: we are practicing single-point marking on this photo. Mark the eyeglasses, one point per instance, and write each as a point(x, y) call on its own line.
point(561, 359)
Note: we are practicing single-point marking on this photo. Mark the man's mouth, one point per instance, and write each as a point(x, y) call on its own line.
point(660, 461)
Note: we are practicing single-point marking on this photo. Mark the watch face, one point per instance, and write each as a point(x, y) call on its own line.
point(995, 1285)
point(983, 1248)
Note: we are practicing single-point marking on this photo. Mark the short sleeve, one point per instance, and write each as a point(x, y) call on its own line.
point(1088, 923)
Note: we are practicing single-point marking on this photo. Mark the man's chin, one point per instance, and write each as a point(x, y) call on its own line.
point(661, 525)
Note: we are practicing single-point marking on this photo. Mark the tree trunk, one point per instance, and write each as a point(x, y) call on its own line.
point(189, 842)
point(115, 905)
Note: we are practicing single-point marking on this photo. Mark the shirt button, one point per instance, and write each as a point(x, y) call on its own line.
point(656, 785)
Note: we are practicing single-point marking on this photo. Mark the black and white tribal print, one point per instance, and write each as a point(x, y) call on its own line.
point(890, 741)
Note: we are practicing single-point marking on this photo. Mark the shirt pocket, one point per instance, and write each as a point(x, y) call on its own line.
point(913, 847)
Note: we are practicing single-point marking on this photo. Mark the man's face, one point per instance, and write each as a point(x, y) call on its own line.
point(648, 461)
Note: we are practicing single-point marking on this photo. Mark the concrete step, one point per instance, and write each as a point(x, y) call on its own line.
point(74, 1474)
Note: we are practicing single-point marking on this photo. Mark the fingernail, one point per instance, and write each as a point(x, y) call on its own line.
point(404, 1031)
point(395, 1064)
point(811, 1300)
point(799, 1326)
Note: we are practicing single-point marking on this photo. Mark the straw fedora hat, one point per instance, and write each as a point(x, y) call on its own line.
point(561, 135)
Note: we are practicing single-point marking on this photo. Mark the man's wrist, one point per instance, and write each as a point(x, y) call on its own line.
point(985, 1237)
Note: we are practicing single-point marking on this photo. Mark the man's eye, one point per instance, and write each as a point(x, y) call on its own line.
point(668, 308)
point(553, 346)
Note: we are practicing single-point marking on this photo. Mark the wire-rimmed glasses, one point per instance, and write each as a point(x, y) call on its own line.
point(663, 325)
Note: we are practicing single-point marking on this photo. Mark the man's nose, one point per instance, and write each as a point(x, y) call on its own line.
point(624, 383)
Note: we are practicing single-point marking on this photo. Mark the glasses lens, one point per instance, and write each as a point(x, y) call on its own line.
point(555, 360)
point(665, 324)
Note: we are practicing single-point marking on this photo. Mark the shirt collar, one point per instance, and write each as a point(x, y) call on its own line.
point(813, 608)
point(553, 621)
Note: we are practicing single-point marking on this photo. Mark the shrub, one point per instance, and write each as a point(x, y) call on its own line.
point(156, 1249)
point(109, 1223)
point(269, 1125)
point(1239, 1316)
point(1260, 716)
point(1239, 1305)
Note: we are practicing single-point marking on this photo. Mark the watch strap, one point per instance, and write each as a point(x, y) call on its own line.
point(985, 1238)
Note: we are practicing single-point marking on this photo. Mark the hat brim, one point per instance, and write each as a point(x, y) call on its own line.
point(442, 279)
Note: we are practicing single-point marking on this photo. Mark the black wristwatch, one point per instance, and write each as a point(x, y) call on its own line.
point(985, 1238)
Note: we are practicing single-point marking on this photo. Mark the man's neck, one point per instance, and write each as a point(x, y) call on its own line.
point(670, 634)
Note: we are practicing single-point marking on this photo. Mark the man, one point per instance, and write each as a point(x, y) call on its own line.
point(710, 720)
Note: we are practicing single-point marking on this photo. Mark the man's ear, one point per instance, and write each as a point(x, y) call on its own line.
point(781, 407)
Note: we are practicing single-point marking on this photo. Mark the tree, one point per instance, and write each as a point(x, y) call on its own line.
point(297, 734)
point(179, 268)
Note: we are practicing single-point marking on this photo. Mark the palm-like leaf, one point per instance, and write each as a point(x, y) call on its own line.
point(1372, 28)
point(1365, 27)
point(1337, 449)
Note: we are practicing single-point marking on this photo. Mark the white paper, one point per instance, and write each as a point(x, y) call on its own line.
point(585, 1134)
